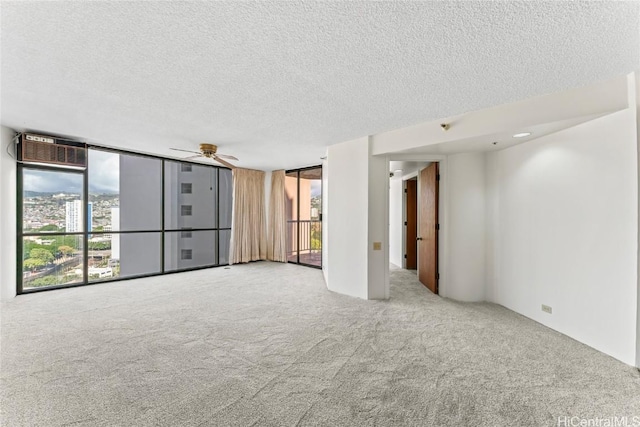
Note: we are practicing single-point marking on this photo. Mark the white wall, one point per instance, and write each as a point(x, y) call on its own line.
point(347, 232)
point(378, 221)
point(396, 221)
point(466, 227)
point(567, 232)
point(492, 225)
point(7, 216)
point(356, 217)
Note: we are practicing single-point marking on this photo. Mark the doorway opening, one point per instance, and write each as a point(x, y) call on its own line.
point(414, 219)
point(411, 224)
point(303, 198)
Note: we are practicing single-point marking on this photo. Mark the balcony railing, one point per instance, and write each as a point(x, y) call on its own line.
point(305, 244)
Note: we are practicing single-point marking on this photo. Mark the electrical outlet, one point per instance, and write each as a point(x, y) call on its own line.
point(546, 309)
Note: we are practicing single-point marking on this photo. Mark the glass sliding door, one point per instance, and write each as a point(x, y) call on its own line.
point(291, 210)
point(303, 194)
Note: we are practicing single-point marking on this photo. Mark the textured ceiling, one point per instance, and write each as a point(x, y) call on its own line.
point(274, 83)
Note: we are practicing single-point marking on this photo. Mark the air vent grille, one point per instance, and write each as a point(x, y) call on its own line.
point(55, 153)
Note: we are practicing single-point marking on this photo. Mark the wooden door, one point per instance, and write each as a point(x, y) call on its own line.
point(428, 227)
point(411, 225)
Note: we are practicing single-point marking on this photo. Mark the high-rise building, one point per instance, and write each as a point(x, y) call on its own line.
point(73, 216)
point(115, 238)
point(89, 216)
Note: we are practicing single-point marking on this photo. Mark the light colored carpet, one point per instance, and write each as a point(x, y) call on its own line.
point(267, 344)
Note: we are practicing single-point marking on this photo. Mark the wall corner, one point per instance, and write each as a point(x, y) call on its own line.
point(8, 216)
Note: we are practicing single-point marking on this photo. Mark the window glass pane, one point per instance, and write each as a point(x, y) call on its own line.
point(136, 253)
point(291, 214)
point(226, 197)
point(199, 250)
point(52, 201)
point(303, 191)
point(51, 261)
point(102, 265)
point(193, 209)
point(291, 195)
point(124, 191)
point(225, 240)
point(310, 229)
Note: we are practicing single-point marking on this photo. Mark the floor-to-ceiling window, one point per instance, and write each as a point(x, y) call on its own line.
point(125, 215)
point(52, 229)
point(303, 197)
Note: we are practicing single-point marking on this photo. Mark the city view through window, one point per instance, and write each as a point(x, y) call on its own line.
point(121, 222)
point(52, 203)
point(303, 210)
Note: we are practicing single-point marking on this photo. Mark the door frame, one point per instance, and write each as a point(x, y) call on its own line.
point(297, 220)
point(405, 218)
point(443, 207)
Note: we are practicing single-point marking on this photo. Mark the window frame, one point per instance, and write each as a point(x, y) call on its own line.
point(185, 165)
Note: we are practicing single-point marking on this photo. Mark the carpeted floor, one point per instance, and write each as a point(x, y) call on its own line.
point(267, 344)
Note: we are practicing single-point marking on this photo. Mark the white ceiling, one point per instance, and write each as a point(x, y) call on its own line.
point(274, 83)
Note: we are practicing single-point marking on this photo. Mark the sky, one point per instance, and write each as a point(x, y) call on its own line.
point(316, 188)
point(104, 174)
point(52, 182)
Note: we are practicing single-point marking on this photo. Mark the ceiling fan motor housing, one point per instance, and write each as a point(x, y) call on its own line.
point(208, 150)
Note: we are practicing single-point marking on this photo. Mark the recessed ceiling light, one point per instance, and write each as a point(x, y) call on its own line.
point(397, 171)
point(522, 134)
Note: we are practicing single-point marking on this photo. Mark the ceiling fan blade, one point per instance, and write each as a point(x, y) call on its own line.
point(186, 151)
point(193, 157)
point(222, 162)
point(226, 156)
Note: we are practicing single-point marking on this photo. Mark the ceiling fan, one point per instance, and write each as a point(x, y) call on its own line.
point(210, 151)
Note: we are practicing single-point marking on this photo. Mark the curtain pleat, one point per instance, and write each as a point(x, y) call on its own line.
point(248, 231)
point(276, 249)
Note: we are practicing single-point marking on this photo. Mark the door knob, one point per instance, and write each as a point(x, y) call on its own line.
point(418, 238)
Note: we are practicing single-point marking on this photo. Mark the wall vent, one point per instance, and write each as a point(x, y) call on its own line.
point(51, 150)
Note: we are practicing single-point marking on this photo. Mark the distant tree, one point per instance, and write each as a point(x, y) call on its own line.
point(42, 254)
point(44, 281)
point(49, 227)
point(65, 250)
point(33, 263)
point(99, 246)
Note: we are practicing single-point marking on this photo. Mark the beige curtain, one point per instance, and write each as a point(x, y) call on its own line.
point(248, 234)
point(276, 248)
